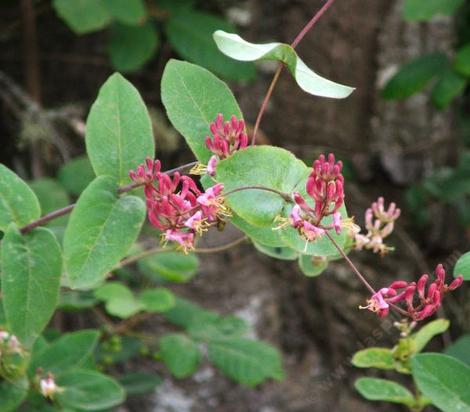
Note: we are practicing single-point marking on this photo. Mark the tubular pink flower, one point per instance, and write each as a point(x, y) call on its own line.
point(420, 301)
point(146, 173)
point(227, 137)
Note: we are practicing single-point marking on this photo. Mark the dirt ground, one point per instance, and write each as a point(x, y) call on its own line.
point(314, 322)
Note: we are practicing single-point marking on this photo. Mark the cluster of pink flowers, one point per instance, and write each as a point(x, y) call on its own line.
point(421, 301)
point(176, 206)
point(379, 224)
point(325, 186)
point(226, 139)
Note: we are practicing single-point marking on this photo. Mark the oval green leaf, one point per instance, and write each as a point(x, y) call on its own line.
point(247, 361)
point(267, 236)
point(119, 132)
point(70, 351)
point(126, 11)
point(31, 269)
point(380, 358)
point(89, 390)
point(180, 355)
point(12, 394)
point(130, 47)
point(101, 229)
point(266, 166)
point(18, 203)
point(235, 47)
point(282, 253)
point(76, 175)
point(157, 300)
point(170, 266)
point(463, 266)
point(193, 97)
point(444, 380)
point(83, 16)
point(374, 389)
point(312, 266)
point(427, 332)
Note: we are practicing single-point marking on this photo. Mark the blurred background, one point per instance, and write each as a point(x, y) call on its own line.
point(404, 139)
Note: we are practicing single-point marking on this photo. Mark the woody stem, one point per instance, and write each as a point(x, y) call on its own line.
point(285, 196)
point(294, 44)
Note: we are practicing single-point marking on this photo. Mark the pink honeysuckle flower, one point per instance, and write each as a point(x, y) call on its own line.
point(146, 173)
point(212, 203)
point(227, 137)
point(184, 239)
point(311, 232)
point(211, 165)
point(48, 387)
point(420, 301)
point(337, 222)
point(377, 302)
point(379, 224)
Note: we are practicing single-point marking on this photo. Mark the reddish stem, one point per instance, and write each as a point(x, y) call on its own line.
point(294, 44)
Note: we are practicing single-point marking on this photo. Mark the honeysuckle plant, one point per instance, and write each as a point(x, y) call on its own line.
point(287, 209)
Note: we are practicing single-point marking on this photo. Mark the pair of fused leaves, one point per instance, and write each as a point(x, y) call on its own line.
point(244, 360)
point(193, 97)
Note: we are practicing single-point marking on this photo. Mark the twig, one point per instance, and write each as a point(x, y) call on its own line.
point(285, 196)
point(158, 249)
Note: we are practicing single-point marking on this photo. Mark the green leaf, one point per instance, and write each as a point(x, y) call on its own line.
point(126, 11)
point(70, 351)
point(186, 314)
point(12, 394)
point(18, 203)
point(31, 268)
point(384, 390)
point(312, 266)
point(120, 301)
point(130, 47)
point(51, 196)
point(381, 358)
point(206, 330)
point(444, 380)
point(448, 87)
point(414, 76)
point(180, 355)
point(157, 300)
point(89, 390)
point(170, 266)
point(190, 33)
point(76, 175)
point(83, 16)
point(462, 60)
point(460, 349)
point(193, 97)
point(267, 236)
point(119, 132)
point(277, 252)
point(254, 167)
point(462, 266)
point(239, 49)
point(247, 361)
point(102, 228)
point(427, 332)
point(139, 383)
point(422, 10)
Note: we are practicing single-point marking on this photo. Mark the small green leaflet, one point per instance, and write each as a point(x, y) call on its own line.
point(239, 49)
